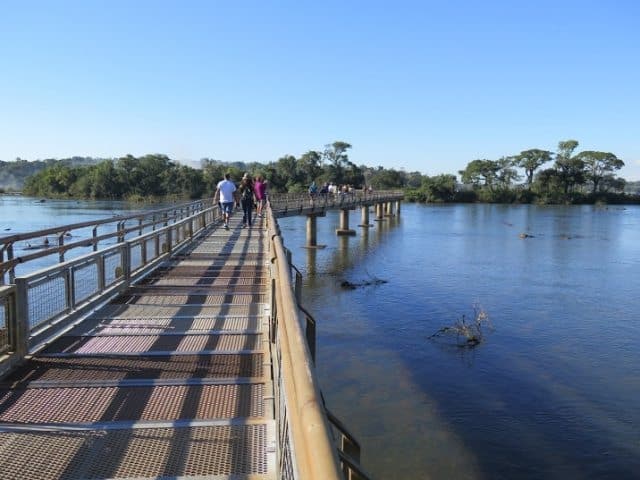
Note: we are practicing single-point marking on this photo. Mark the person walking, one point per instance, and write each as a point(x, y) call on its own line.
point(226, 194)
point(247, 194)
point(260, 191)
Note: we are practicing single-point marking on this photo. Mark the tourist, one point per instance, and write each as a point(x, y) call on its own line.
point(247, 194)
point(260, 191)
point(313, 190)
point(226, 194)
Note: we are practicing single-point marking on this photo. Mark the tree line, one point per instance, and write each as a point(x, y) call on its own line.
point(587, 176)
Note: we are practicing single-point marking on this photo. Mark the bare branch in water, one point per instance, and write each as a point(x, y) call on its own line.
point(468, 334)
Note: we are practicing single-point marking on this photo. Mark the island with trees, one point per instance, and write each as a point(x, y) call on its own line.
point(532, 176)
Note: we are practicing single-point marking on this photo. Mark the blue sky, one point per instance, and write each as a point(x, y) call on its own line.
point(426, 86)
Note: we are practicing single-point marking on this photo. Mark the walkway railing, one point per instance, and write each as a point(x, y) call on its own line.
point(69, 238)
point(290, 204)
point(40, 305)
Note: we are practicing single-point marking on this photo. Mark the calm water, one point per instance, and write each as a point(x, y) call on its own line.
point(553, 392)
point(23, 214)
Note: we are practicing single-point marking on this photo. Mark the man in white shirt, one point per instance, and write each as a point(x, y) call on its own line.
point(226, 195)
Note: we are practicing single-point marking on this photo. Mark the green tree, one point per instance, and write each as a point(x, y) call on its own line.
point(531, 160)
point(440, 188)
point(598, 165)
point(480, 173)
point(382, 179)
point(336, 156)
point(506, 174)
point(570, 168)
point(310, 166)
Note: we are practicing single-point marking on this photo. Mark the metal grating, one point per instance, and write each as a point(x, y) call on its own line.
point(108, 404)
point(112, 368)
point(136, 256)
point(164, 325)
point(211, 271)
point(85, 281)
point(112, 268)
point(240, 299)
point(4, 316)
point(194, 290)
point(206, 282)
point(153, 343)
point(150, 249)
point(46, 300)
point(136, 311)
point(137, 453)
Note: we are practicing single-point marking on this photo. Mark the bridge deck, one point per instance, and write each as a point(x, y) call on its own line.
point(171, 379)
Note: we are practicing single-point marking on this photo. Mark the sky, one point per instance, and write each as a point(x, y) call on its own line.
point(422, 86)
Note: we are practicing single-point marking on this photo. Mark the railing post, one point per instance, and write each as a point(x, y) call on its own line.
point(61, 244)
point(12, 270)
point(21, 331)
point(298, 287)
point(169, 240)
point(94, 233)
point(126, 262)
point(101, 276)
point(143, 251)
point(69, 285)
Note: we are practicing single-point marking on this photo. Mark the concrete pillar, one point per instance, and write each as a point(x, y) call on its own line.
point(312, 235)
point(344, 223)
point(311, 231)
point(379, 212)
point(365, 217)
point(389, 209)
point(398, 207)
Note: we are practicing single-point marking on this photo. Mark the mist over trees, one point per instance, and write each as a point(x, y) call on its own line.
point(570, 176)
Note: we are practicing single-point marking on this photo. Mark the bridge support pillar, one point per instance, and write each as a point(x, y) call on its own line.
point(344, 223)
point(398, 207)
point(365, 217)
point(388, 206)
point(312, 234)
point(379, 212)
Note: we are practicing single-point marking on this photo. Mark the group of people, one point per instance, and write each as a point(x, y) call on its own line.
point(330, 188)
point(249, 194)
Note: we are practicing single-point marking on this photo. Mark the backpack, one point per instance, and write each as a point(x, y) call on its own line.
point(247, 193)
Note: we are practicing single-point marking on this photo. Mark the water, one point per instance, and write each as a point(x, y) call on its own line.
point(552, 392)
point(20, 214)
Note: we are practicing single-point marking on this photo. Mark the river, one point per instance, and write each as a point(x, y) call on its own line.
point(553, 390)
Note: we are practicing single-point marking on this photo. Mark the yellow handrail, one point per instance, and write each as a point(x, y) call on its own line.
point(316, 455)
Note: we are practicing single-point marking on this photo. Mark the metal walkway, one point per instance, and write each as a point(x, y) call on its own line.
point(170, 379)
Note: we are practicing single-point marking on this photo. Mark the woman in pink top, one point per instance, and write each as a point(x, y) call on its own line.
point(260, 191)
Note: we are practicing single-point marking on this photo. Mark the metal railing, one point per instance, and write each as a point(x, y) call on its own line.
point(42, 304)
point(288, 204)
point(313, 443)
point(78, 237)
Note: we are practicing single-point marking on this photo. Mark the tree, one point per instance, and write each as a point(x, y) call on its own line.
point(441, 188)
point(599, 164)
point(570, 169)
point(531, 160)
point(480, 173)
point(336, 155)
point(382, 178)
point(507, 175)
point(309, 166)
